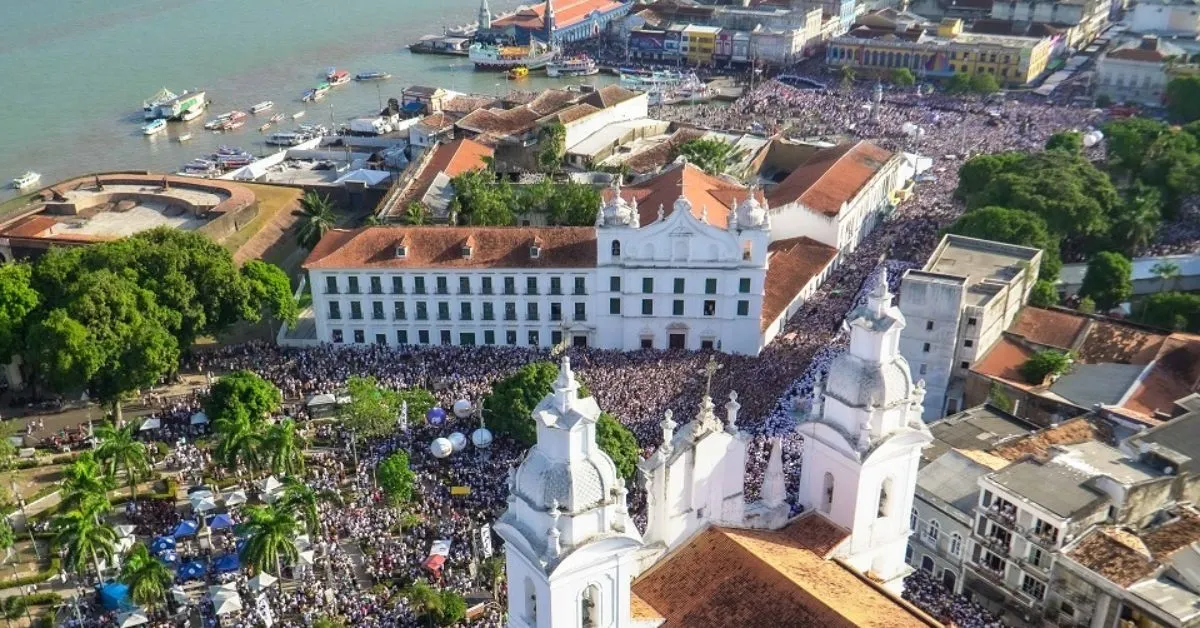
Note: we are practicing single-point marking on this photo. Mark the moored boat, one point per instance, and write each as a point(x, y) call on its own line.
point(277, 118)
point(581, 65)
point(29, 179)
point(297, 115)
point(192, 114)
point(340, 77)
point(492, 57)
point(262, 106)
point(154, 126)
point(150, 105)
point(518, 72)
point(183, 138)
point(372, 76)
point(264, 127)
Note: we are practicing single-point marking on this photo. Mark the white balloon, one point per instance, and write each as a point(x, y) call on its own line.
point(462, 408)
point(441, 447)
point(482, 438)
point(458, 441)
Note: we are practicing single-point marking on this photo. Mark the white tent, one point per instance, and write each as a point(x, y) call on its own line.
point(321, 400)
point(222, 590)
point(135, 617)
point(151, 424)
point(226, 605)
point(199, 418)
point(235, 498)
point(307, 557)
point(204, 505)
point(179, 595)
point(270, 485)
point(124, 530)
point(261, 581)
point(303, 542)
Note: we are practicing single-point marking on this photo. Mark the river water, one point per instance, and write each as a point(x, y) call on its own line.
point(76, 72)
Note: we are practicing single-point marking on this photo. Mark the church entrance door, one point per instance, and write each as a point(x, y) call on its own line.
point(678, 341)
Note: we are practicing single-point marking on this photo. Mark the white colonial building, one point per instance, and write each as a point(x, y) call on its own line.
point(1137, 72)
point(863, 441)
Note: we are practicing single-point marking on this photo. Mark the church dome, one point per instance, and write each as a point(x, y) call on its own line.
point(575, 486)
point(618, 212)
point(862, 384)
point(751, 214)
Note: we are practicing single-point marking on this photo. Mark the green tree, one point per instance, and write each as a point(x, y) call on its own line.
point(510, 406)
point(960, 83)
point(17, 300)
point(372, 408)
point(999, 398)
point(147, 577)
point(85, 538)
point(325, 621)
point(1129, 139)
point(1070, 141)
point(242, 393)
point(416, 213)
point(60, 352)
point(984, 83)
point(118, 449)
point(283, 448)
point(1136, 220)
point(1179, 311)
point(316, 219)
point(1087, 305)
point(1166, 272)
point(552, 146)
point(396, 478)
point(711, 155)
point(479, 200)
point(420, 402)
point(271, 292)
point(84, 481)
point(1012, 226)
point(270, 538)
point(453, 608)
point(442, 607)
point(1183, 98)
point(1044, 363)
point(975, 174)
point(7, 537)
point(298, 498)
point(620, 444)
point(573, 204)
point(493, 571)
point(903, 77)
point(1108, 281)
point(1044, 294)
point(239, 441)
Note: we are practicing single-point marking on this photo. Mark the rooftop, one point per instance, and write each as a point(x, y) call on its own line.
point(981, 427)
point(791, 264)
point(1096, 458)
point(1058, 488)
point(1077, 430)
point(979, 261)
point(566, 13)
point(705, 192)
point(442, 247)
point(1127, 558)
point(724, 577)
point(831, 177)
point(1179, 436)
point(953, 478)
point(447, 160)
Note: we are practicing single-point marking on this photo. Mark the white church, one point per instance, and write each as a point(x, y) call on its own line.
point(708, 557)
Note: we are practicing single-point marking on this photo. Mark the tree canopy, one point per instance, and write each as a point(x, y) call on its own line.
point(1179, 311)
point(396, 478)
point(1070, 141)
point(1108, 281)
point(480, 200)
point(1044, 363)
point(242, 394)
point(1183, 98)
point(619, 443)
point(372, 408)
point(1012, 226)
point(710, 155)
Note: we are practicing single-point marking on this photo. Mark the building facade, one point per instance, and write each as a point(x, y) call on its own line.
point(1137, 73)
point(1166, 17)
point(959, 304)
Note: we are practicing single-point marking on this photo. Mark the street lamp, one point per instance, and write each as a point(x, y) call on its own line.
point(25, 517)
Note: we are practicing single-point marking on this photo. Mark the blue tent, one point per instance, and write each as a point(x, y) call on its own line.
point(413, 106)
point(162, 544)
point(187, 527)
point(192, 570)
point(228, 562)
point(221, 522)
point(114, 595)
point(168, 556)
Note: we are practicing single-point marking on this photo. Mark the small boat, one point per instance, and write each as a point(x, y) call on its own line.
point(232, 124)
point(286, 138)
point(329, 72)
point(518, 72)
point(277, 118)
point(29, 179)
point(297, 115)
point(150, 105)
point(191, 114)
point(262, 106)
point(372, 76)
point(183, 138)
point(581, 65)
point(154, 126)
point(264, 127)
point(229, 150)
point(316, 93)
point(340, 77)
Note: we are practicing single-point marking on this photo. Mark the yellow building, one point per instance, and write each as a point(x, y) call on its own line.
point(698, 43)
point(1011, 59)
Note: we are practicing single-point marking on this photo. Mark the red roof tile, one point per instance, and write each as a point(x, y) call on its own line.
point(1112, 557)
point(1003, 361)
point(566, 13)
point(1175, 374)
point(791, 264)
point(831, 177)
point(441, 247)
point(1054, 328)
point(451, 158)
point(702, 190)
point(724, 577)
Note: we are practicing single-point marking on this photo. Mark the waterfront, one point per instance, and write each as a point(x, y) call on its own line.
point(80, 71)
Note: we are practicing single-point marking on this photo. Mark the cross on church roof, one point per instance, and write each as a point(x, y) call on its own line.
point(709, 370)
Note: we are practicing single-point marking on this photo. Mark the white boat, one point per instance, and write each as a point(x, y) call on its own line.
point(150, 105)
point(154, 126)
point(262, 106)
point(192, 114)
point(582, 65)
point(297, 115)
point(492, 57)
point(185, 137)
point(277, 118)
point(29, 179)
point(373, 75)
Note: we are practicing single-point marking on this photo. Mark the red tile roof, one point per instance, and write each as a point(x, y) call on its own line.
point(791, 264)
point(572, 113)
point(831, 177)
point(1053, 328)
point(451, 158)
point(441, 247)
point(1175, 374)
point(1113, 556)
point(724, 577)
point(566, 13)
point(1003, 361)
point(609, 95)
point(702, 190)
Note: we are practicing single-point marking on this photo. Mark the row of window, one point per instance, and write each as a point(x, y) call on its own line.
point(933, 531)
point(441, 285)
point(490, 336)
point(466, 310)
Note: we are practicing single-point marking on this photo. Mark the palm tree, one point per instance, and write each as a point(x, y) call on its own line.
point(316, 218)
point(147, 577)
point(415, 213)
point(711, 156)
point(85, 538)
point(118, 449)
point(301, 501)
point(270, 538)
point(1165, 271)
point(84, 480)
point(284, 448)
point(239, 439)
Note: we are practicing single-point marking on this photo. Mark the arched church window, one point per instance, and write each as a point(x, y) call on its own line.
point(589, 607)
point(885, 498)
point(530, 601)
point(827, 502)
point(616, 248)
point(747, 251)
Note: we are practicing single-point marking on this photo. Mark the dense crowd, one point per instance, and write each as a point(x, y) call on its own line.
point(934, 598)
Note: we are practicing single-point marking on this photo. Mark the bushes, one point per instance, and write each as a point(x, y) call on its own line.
point(1043, 364)
point(36, 578)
